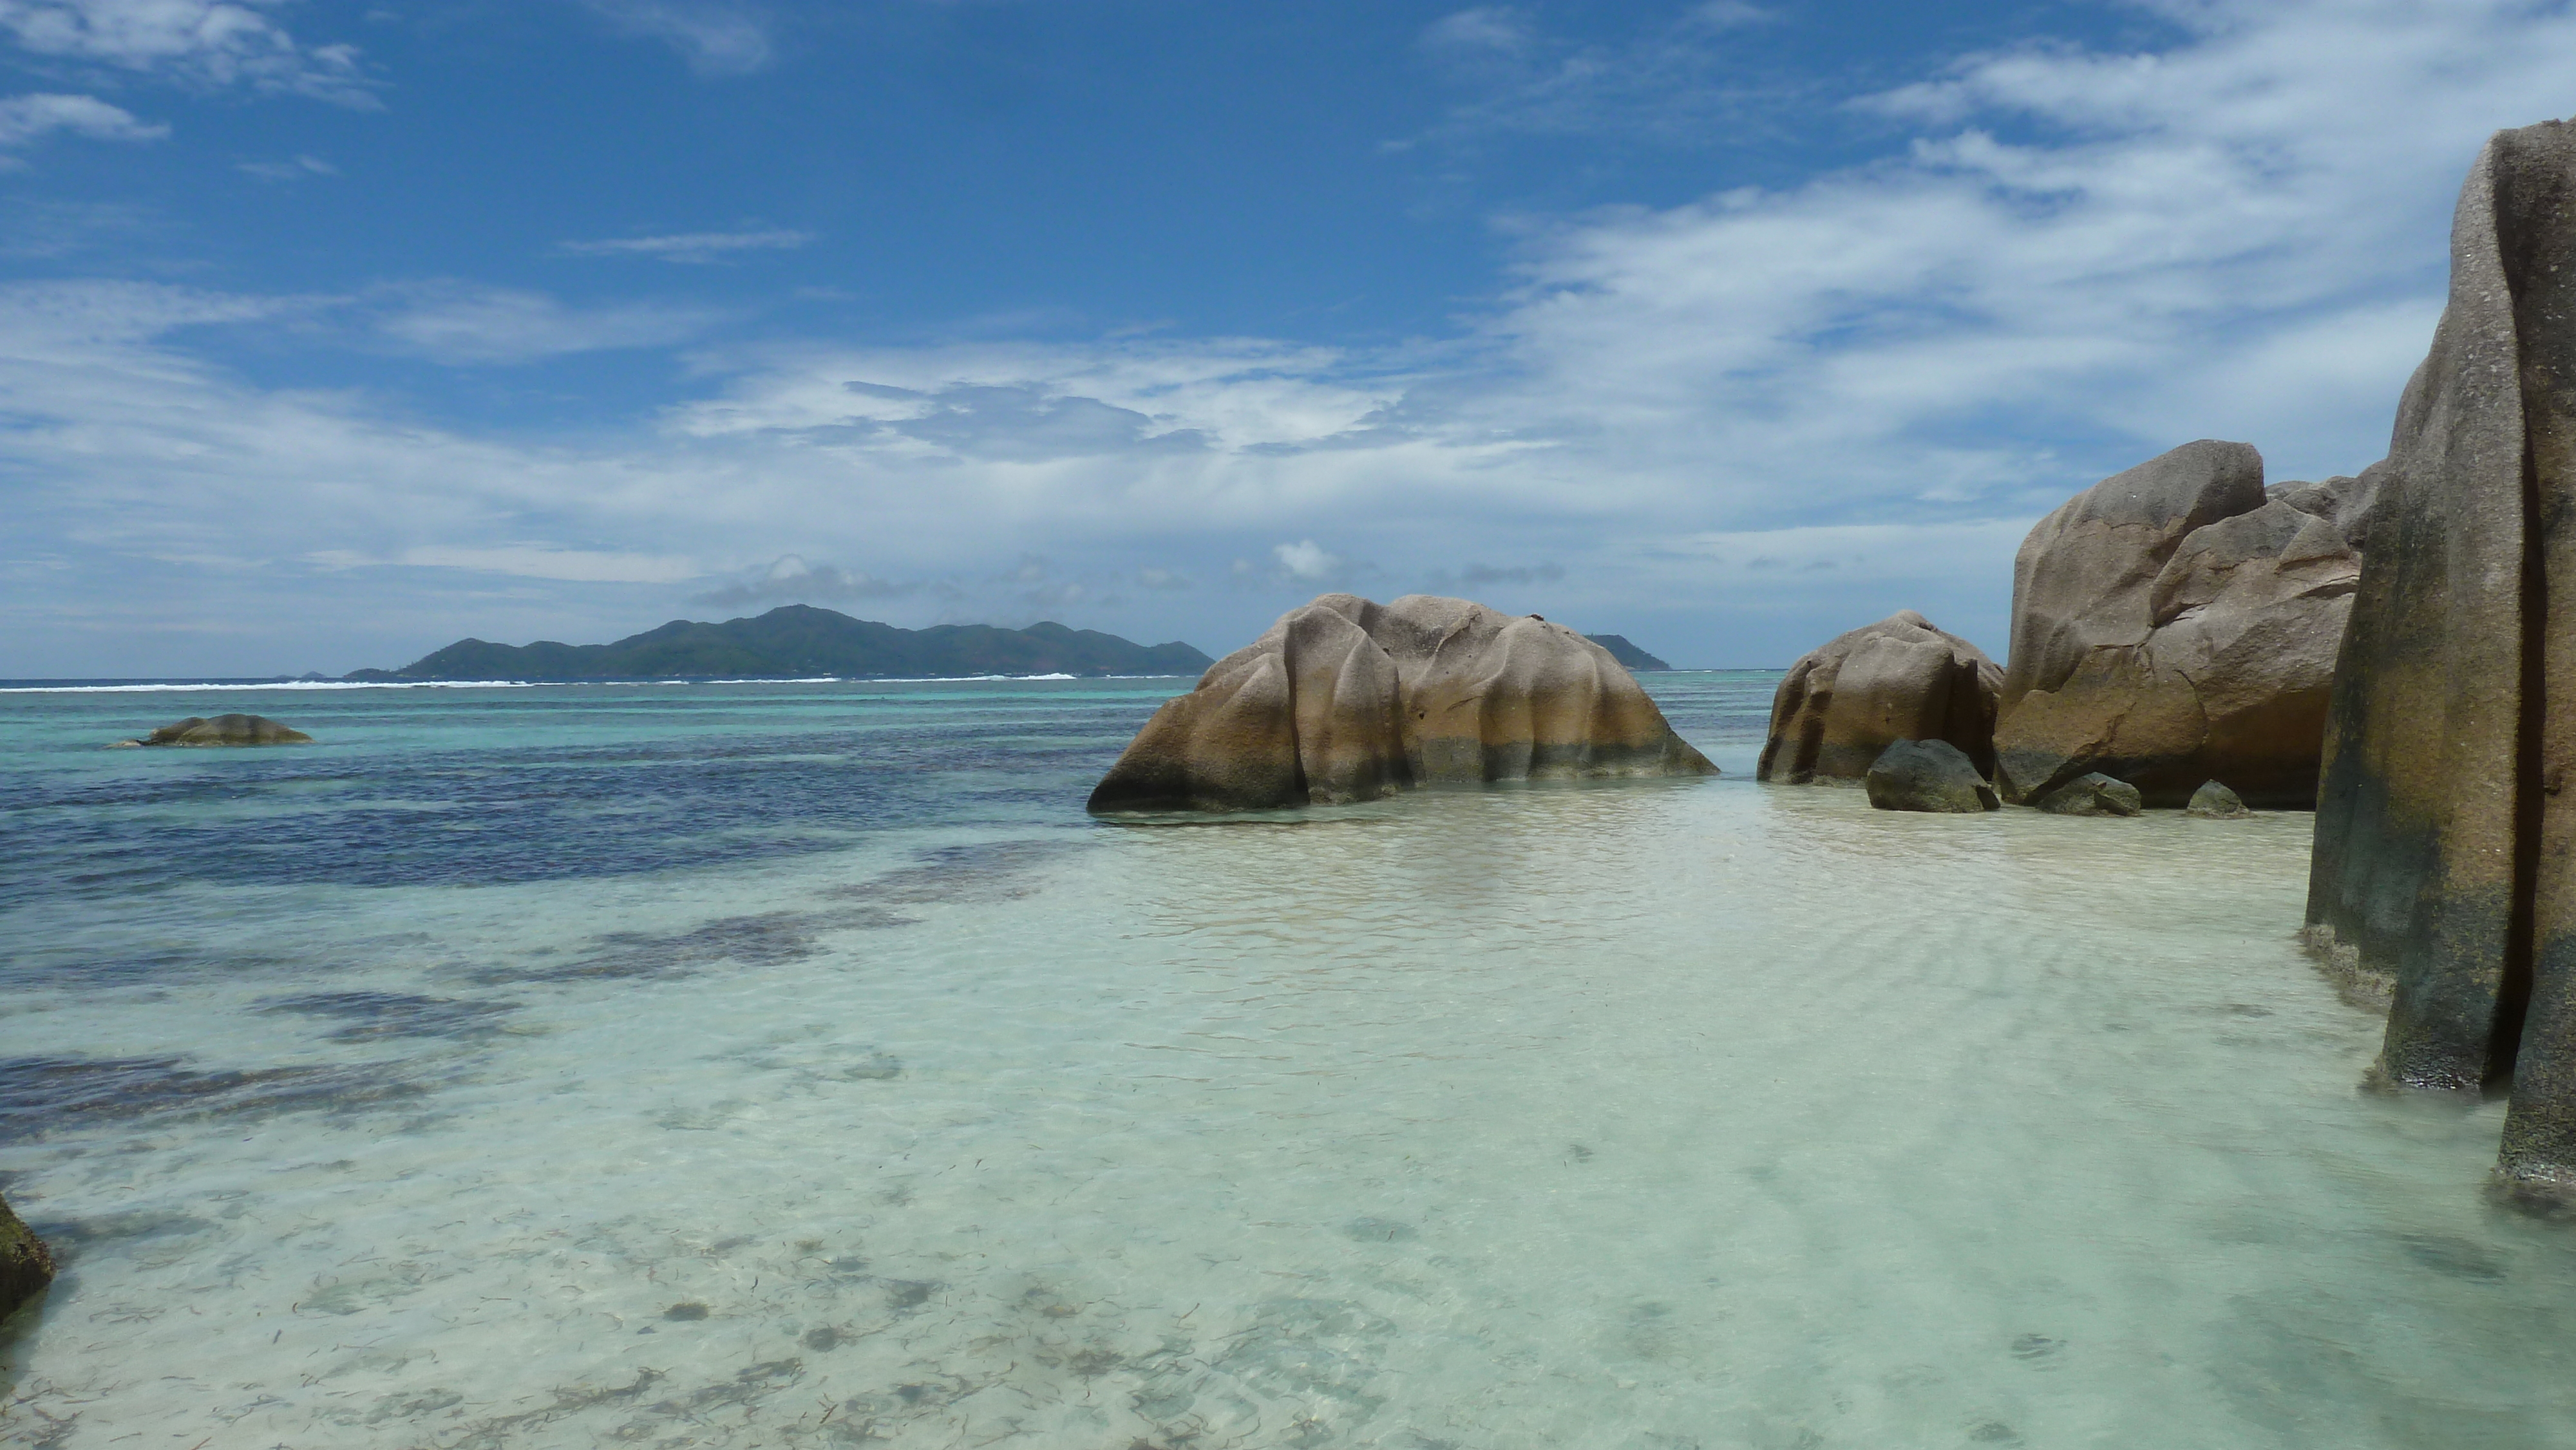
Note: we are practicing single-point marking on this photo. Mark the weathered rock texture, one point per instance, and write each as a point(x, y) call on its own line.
point(25, 1267)
point(2445, 849)
point(1927, 775)
point(1346, 700)
point(226, 730)
point(2176, 623)
point(1848, 699)
point(2093, 795)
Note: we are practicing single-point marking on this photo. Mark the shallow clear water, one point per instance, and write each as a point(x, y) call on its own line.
point(796, 1065)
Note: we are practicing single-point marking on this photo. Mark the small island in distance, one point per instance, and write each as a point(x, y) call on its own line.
point(800, 640)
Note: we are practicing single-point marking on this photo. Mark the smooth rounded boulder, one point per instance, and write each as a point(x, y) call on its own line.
point(2178, 623)
point(2214, 801)
point(1844, 702)
point(2445, 852)
point(225, 730)
point(1344, 699)
point(2093, 795)
point(25, 1266)
point(1927, 775)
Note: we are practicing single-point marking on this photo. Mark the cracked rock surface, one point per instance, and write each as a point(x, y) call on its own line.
point(2178, 623)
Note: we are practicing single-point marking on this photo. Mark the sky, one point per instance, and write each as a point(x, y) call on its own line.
point(332, 333)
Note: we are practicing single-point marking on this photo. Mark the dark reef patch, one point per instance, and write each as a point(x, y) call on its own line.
point(373, 1015)
point(530, 813)
point(41, 1094)
point(987, 872)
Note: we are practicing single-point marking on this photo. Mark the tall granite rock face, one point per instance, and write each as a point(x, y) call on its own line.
point(2177, 624)
point(25, 1267)
point(2445, 848)
point(1845, 701)
point(1347, 700)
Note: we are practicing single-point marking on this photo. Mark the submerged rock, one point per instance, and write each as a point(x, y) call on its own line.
point(25, 1267)
point(1847, 700)
point(224, 730)
point(1927, 775)
point(2093, 795)
point(2178, 622)
point(2216, 802)
point(2445, 846)
point(1347, 700)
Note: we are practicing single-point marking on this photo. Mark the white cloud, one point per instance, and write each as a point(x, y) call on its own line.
point(716, 39)
point(463, 324)
point(692, 246)
point(25, 118)
point(792, 580)
point(1304, 560)
point(527, 561)
point(206, 42)
point(302, 168)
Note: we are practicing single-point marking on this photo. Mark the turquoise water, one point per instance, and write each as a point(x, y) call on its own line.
point(796, 1065)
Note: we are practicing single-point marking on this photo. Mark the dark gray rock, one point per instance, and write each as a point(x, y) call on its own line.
point(224, 730)
point(2093, 795)
point(1928, 775)
point(2216, 802)
point(25, 1267)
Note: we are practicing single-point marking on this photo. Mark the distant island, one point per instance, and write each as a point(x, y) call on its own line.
point(1626, 653)
point(797, 640)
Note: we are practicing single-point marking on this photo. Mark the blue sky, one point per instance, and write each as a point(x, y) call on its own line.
point(330, 333)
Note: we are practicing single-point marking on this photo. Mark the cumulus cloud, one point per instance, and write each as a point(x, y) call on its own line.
point(691, 246)
point(26, 118)
point(791, 580)
point(716, 39)
point(213, 43)
point(1305, 560)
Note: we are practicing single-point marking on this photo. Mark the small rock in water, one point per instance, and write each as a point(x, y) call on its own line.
point(2217, 803)
point(2093, 795)
point(224, 730)
point(25, 1267)
point(1928, 775)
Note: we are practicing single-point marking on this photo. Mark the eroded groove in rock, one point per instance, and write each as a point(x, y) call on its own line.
point(2443, 845)
point(2179, 622)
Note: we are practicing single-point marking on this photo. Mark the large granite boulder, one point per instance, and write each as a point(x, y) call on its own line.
point(2178, 622)
point(2445, 847)
point(1347, 700)
point(25, 1267)
point(1844, 702)
point(1927, 775)
point(225, 730)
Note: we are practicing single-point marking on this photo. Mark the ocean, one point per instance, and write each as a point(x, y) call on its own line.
point(797, 1065)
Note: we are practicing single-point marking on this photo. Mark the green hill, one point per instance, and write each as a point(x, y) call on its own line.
point(1626, 653)
point(799, 640)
